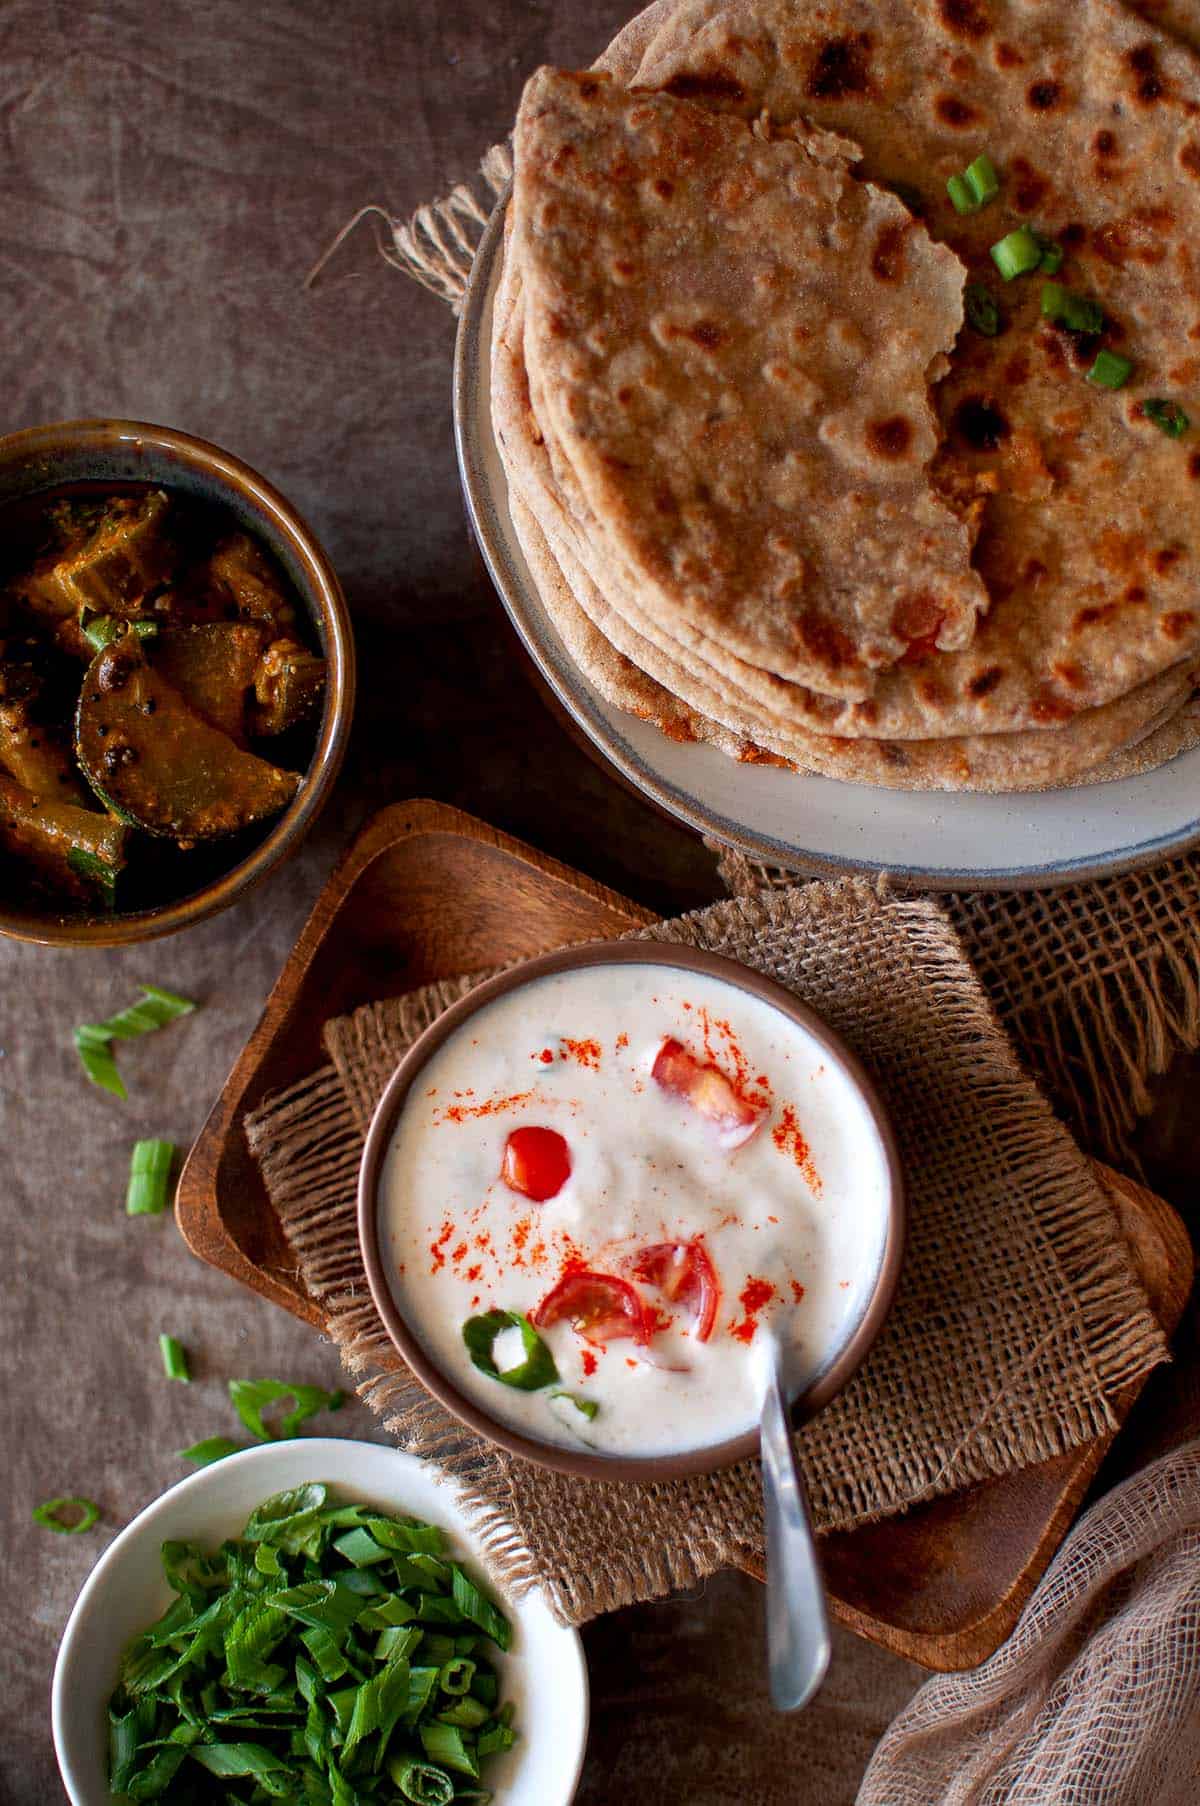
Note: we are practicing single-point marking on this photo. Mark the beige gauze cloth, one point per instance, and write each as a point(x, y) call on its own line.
point(1095, 1698)
point(1017, 1317)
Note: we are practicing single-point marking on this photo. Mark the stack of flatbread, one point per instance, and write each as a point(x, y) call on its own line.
point(776, 489)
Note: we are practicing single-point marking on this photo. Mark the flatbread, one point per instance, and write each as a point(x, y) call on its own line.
point(734, 341)
point(619, 662)
point(1088, 540)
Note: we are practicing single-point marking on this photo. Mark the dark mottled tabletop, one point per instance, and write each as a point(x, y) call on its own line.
point(167, 177)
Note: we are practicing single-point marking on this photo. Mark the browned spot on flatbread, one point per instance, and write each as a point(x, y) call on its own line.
point(979, 423)
point(1069, 674)
point(1043, 95)
point(691, 85)
point(758, 755)
point(1008, 56)
point(1150, 84)
point(1175, 625)
point(825, 640)
point(917, 617)
point(663, 189)
point(1194, 465)
point(1031, 186)
point(1105, 144)
point(1095, 614)
point(1016, 371)
point(965, 18)
point(954, 112)
point(1137, 238)
point(1032, 572)
point(889, 438)
point(1189, 159)
point(1134, 594)
point(887, 259)
point(1047, 706)
point(985, 681)
point(1167, 557)
point(841, 67)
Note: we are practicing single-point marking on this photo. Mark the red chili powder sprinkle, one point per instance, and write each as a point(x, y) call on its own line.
point(492, 1106)
point(755, 1294)
point(622, 1041)
point(586, 1053)
point(473, 1273)
point(459, 1253)
point(772, 1219)
point(754, 1091)
point(546, 1056)
point(789, 1139)
point(475, 1301)
point(797, 1291)
point(435, 1248)
point(629, 1361)
point(484, 1240)
point(589, 1363)
point(537, 1254)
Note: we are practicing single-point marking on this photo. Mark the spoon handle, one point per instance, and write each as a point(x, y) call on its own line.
point(798, 1646)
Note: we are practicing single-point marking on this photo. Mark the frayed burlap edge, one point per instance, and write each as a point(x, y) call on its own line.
point(1098, 984)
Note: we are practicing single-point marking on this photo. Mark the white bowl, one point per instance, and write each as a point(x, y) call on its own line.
point(543, 1673)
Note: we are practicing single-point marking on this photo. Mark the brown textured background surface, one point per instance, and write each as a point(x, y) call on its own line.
point(167, 176)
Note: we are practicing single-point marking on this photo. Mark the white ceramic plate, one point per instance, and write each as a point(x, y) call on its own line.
point(807, 823)
point(543, 1673)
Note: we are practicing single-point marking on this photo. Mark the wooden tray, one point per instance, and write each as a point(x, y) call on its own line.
point(426, 892)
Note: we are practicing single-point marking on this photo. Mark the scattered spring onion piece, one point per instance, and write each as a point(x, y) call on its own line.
point(93, 1040)
point(960, 195)
point(1052, 254)
point(1110, 370)
point(50, 1517)
point(95, 1050)
point(1016, 253)
point(981, 178)
point(1077, 313)
point(213, 1448)
point(148, 1193)
point(283, 1665)
point(104, 629)
point(535, 1371)
point(251, 1397)
point(982, 310)
point(1167, 416)
point(975, 187)
point(175, 1361)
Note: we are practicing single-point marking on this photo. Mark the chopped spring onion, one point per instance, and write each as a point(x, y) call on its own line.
point(981, 178)
point(175, 1361)
point(1076, 312)
point(50, 1515)
point(251, 1397)
point(148, 1193)
point(270, 1669)
point(975, 187)
point(1052, 254)
point(1017, 253)
point(982, 310)
point(1110, 370)
point(587, 1406)
point(1167, 416)
point(93, 1040)
point(213, 1448)
point(960, 195)
point(529, 1375)
point(104, 629)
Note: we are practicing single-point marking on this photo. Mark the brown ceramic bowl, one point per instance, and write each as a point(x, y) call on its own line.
point(45, 458)
point(826, 1384)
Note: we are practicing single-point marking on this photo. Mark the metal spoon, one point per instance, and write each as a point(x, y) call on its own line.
point(798, 1646)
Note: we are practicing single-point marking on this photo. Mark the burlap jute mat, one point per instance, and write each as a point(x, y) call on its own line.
point(1017, 1318)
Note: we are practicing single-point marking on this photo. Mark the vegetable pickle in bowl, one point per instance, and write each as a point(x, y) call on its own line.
point(176, 677)
point(599, 1181)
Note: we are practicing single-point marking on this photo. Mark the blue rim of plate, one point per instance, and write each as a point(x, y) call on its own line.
point(576, 696)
